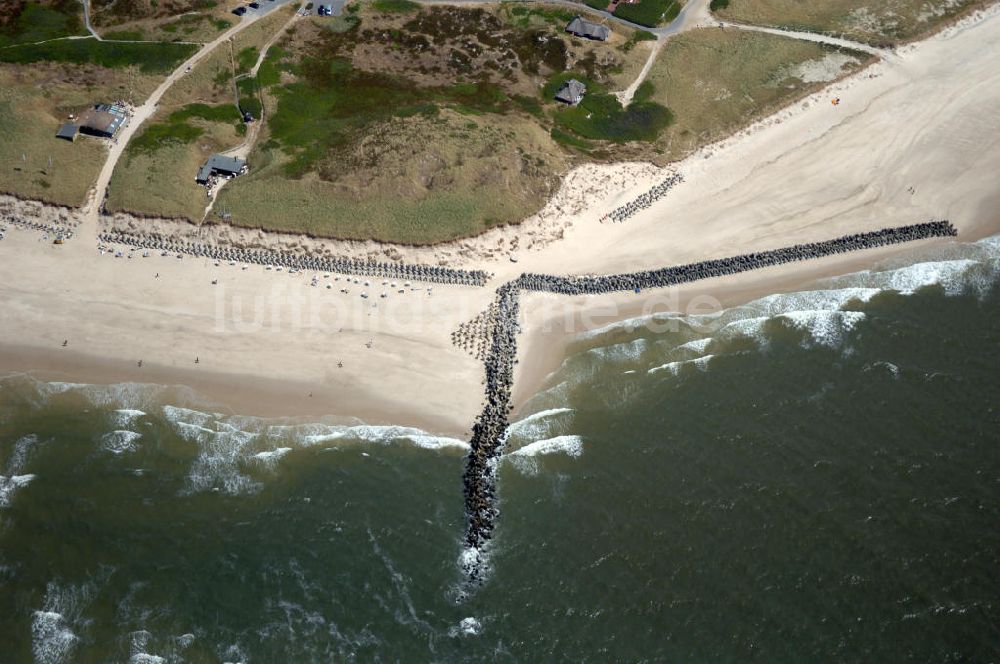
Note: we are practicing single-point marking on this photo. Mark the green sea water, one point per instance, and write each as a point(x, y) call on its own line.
point(810, 477)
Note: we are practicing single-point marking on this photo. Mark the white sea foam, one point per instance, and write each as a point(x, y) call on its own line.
point(947, 274)
point(466, 627)
point(10, 485)
point(888, 366)
point(627, 325)
point(145, 658)
point(272, 455)
point(22, 449)
point(543, 424)
point(826, 328)
point(628, 351)
point(569, 445)
point(123, 417)
point(52, 640)
point(140, 643)
point(676, 366)
point(525, 459)
point(227, 445)
point(120, 441)
point(696, 346)
point(383, 435)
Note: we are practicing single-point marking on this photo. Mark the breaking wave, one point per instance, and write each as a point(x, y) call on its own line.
point(569, 445)
point(824, 316)
point(15, 477)
point(120, 441)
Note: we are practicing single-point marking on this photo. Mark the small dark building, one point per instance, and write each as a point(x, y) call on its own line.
point(68, 131)
point(584, 28)
point(103, 120)
point(218, 164)
point(571, 92)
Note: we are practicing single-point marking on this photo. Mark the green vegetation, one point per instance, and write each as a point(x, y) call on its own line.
point(717, 81)
point(150, 58)
point(177, 129)
point(522, 15)
point(125, 35)
point(275, 62)
point(601, 117)
point(395, 6)
point(650, 13)
point(559, 136)
point(249, 97)
point(36, 22)
point(637, 36)
point(33, 105)
point(115, 12)
point(246, 59)
point(335, 102)
point(716, 5)
point(219, 113)
point(644, 92)
point(163, 134)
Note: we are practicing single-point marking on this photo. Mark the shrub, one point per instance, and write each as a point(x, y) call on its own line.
point(650, 13)
point(395, 6)
point(151, 58)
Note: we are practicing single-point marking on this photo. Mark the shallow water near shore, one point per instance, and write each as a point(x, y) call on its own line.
point(814, 474)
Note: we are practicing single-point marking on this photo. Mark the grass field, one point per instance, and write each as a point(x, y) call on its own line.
point(650, 13)
point(161, 20)
point(107, 13)
point(879, 22)
point(419, 126)
point(27, 22)
point(716, 81)
point(148, 58)
point(156, 174)
point(196, 118)
point(33, 103)
point(418, 180)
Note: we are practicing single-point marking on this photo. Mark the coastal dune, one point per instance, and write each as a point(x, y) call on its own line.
point(912, 139)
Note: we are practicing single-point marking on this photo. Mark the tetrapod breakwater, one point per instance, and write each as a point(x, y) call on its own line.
point(490, 429)
point(300, 261)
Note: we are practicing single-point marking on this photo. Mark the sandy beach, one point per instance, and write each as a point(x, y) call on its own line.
point(914, 138)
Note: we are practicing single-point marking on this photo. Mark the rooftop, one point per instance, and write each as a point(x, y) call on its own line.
point(571, 92)
point(584, 28)
point(218, 163)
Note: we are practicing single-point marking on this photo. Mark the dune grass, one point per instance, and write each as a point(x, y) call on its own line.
point(717, 81)
point(651, 13)
point(877, 22)
point(149, 58)
point(37, 22)
point(33, 104)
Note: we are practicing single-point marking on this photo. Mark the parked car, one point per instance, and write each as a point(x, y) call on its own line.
point(254, 5)
point(240, 11)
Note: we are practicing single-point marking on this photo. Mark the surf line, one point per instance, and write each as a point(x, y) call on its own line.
point(489, 432)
